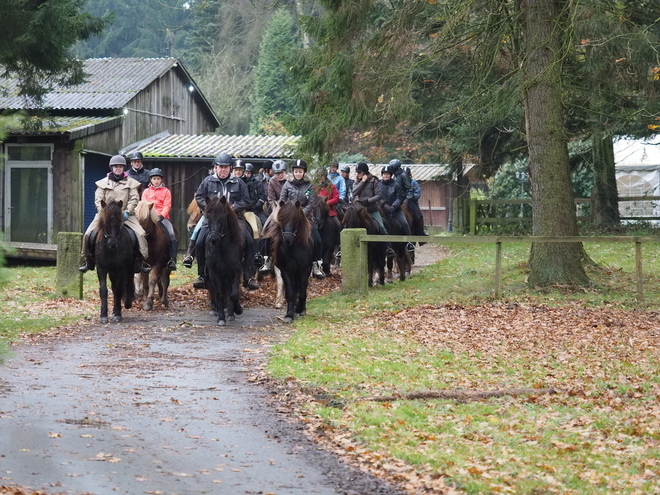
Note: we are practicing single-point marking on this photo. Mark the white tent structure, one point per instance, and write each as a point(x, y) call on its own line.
point(637, 166)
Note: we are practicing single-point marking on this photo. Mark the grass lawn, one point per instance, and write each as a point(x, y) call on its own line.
point(598, 347)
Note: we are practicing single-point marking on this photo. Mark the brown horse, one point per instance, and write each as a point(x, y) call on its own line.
point(159, 255)
point(195, 214)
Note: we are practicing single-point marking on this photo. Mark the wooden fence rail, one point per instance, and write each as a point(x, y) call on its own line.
point(354, 253)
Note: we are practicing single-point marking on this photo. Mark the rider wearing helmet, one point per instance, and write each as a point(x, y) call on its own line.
point(137, 171)
point(223, 183)
point(301, 189)
point(345, 172)
point(161, 197)
point(393, 197)
point(366, 191)
point(276, 183)
point(338, 181)
point(417, 224)
point(117, 186)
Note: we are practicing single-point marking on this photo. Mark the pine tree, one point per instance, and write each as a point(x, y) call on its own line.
point(273, 95)
point(35, 42)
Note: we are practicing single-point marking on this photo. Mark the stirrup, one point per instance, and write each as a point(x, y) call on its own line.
point(144, 267)
point(252, 284)
point(199, 283)
point(390, 252)
point(87, 265)
point(188, 261)
point(171, 265)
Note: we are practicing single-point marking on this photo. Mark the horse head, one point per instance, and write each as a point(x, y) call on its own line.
point(111, 220)
point(146, 214)
point(222, 220)
point(293, 223)
point(195, 214)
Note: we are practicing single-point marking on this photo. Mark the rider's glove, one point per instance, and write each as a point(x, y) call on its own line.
point(125, 215)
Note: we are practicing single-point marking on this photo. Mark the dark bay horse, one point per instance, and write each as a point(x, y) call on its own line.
point(356, 216)
point(401, 254)
point(329, 229)
point(159, 255)
point(224, 246)
point(115, 257)
point(292, 250)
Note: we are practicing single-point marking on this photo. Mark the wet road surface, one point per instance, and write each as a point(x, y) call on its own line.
point(159, 404)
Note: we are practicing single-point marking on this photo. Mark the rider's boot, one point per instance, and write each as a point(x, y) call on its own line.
point(190, 254)
point(199, 283)
point(171, 264)
point(87, 265)
point(317, 271)
point(251, 284)
point(267, 267)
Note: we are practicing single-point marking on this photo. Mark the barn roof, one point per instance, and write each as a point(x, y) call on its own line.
point(111, 83)
point(420, 171)
point(208, 146)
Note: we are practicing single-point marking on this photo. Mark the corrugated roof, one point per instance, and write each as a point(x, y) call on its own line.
point(420, 171)
point(111, 83)
point(59, 125)
point(208, 146)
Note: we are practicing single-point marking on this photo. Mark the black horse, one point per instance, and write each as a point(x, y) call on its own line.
point(293, 252)
point(330, 231)
point(224, 254)
point(115, 257)
point(356, 216)
point(401, 255)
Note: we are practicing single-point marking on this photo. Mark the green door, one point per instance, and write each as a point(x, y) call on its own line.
point(28, 193)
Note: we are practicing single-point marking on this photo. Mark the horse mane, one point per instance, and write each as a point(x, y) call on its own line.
point(194, 212)
point(217, 207)
point(145, 212)
point(291, 213)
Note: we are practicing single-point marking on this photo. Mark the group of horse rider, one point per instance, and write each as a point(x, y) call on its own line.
point(127, 186)
point(257, 192)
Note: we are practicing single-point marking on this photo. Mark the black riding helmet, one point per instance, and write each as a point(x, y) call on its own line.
point(223, 159)
point(239, 164)
point(155, 172)
point(136, 155)
point(299, 164)
point(395, 165)
point(249, 167)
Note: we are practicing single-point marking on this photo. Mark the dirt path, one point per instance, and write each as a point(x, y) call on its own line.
point(161, 404)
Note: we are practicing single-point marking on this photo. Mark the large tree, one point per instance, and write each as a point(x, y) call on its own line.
point(35, 42)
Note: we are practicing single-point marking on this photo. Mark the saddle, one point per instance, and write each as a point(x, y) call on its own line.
point(94, 233)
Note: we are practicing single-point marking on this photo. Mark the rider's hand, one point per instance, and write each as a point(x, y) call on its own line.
point(161, 218)
point(125, 215)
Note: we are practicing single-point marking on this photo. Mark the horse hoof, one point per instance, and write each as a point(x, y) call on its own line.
point(231, 318)
point(238, 310)
point(128, 305)
point(148, 306)
point(288, 319)
point(221, 323)
point(213, 312)
point(104, 319)
point(116, 318)
point(278, 305)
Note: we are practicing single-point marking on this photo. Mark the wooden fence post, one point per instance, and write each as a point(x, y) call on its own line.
point(638, 265)
point(498, 269)
point(353, 261)
point(69, 278)
point(473, 216)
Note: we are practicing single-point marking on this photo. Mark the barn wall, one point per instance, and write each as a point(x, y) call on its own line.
point(165, 105)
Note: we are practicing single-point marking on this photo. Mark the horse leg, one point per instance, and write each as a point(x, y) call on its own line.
point(279, 299)
point(117, 281)
point(234, 295)
point(129, 290)
point(103, 294)
point(153, 280)
point(219, 297)
point(290, 296)
point(163, 287)
point(390, 265)
point(301, 307)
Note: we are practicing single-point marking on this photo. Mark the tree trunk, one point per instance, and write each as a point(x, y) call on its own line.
point(549, 173)
point(605, 202)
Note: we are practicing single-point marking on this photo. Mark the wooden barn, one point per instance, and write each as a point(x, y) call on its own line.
point(439, 189)
point(48, 173)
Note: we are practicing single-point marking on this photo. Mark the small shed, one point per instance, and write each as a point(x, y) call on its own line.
point(439, 188)
point(48, 173)
point(637, 168)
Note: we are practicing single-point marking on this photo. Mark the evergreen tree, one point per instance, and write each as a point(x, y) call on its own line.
point(273, 94)
point(140, 28)
point(35, 42)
